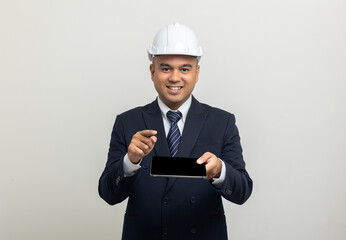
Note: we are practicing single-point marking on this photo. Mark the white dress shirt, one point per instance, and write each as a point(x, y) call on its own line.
point(130, 168)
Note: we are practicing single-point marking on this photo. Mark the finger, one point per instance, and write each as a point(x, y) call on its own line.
point(211, 170)
point(135, 154)
point(146, 137)
point(147, 133)
point(213, 167)
point(153, 139)
point(137, 151)
point(143, 144)
point(204, 158)
point(144, 140)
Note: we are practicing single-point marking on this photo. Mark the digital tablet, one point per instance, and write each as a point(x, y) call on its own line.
point(177, 167)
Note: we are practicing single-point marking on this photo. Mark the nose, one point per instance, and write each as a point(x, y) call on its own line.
point(175, 76)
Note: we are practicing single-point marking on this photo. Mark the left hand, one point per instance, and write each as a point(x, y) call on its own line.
point(213, 165)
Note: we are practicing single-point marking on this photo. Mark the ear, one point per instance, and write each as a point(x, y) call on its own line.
point(152, 71)
point(197, 73)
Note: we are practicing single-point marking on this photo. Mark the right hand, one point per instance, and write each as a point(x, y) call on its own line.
point(141, 145)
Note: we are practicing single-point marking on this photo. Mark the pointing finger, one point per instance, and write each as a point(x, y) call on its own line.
point(148, 133)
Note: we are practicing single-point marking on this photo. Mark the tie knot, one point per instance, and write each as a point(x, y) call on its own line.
point(174, 117)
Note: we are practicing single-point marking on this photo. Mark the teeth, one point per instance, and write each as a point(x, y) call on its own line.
point(174, 88)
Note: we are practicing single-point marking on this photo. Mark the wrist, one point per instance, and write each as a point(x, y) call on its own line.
point(133, 159)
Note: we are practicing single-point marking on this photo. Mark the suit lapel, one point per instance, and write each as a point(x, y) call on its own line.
point(193, 125)
point(153, 121)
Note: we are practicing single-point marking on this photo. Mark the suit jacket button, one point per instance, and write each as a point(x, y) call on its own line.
point(165, 200)
point(165, 231)
point(117, 181)
point(145, 166)
point(193, 230)
point(193, 200)
point(228, 192)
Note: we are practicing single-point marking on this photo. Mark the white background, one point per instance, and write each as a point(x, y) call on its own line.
point(68, 67)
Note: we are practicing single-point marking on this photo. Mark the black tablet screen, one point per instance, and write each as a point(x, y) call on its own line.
point(177, 167)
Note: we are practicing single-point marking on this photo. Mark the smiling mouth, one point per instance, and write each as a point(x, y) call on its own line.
point(174, 87)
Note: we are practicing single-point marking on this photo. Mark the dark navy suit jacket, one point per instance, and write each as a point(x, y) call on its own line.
point(175, 208)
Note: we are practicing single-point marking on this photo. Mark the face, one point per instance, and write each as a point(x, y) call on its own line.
point(174, 78)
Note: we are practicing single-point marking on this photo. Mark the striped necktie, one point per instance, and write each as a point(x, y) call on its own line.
point(173, 136)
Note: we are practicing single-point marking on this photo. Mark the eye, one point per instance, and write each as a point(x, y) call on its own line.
point(165, 69)
point(185, 70)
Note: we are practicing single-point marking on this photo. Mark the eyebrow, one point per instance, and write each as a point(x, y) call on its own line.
point(187, 65)
point(167, 65)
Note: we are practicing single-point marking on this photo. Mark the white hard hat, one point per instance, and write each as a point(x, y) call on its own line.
point(175, 39)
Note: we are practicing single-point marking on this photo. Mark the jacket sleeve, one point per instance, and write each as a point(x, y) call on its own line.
point(237, 186)
point(114, 187)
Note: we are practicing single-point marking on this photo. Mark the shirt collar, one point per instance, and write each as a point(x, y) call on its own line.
point(183, 108)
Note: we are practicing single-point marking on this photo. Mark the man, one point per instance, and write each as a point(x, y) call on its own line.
point(175, 208)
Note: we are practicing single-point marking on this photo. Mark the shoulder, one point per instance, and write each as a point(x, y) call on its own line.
point(214, 117)
point(137, 111)
point(131, 112)
point(214, 111)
